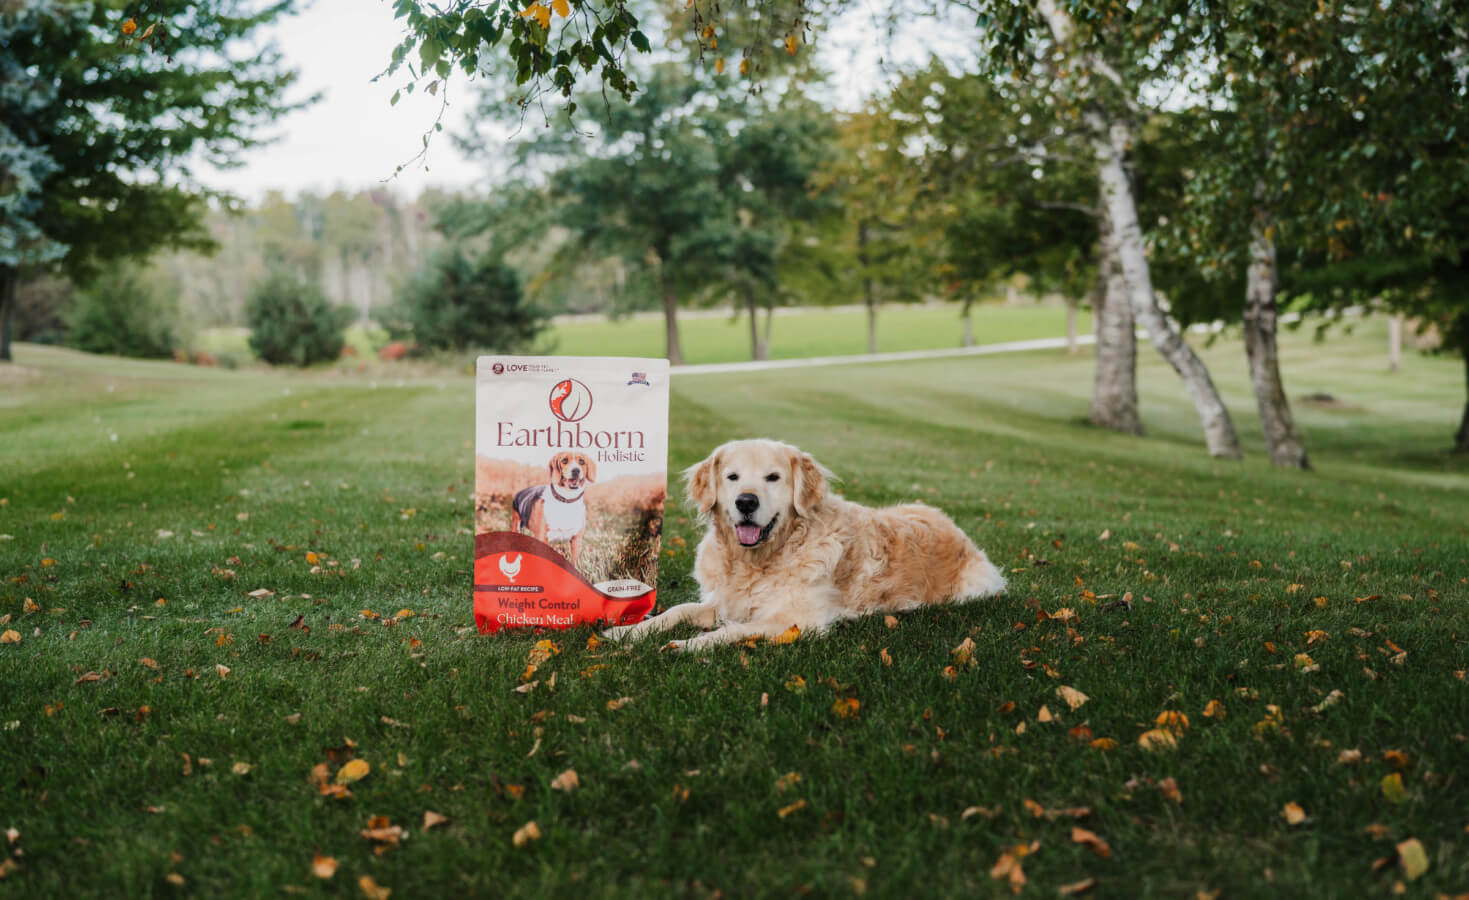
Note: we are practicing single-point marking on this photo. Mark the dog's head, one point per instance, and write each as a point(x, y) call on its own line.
point(572, 471)
point(755, 490)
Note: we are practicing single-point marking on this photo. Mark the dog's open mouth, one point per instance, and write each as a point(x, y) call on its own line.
point(750, 534)
point(572, 483)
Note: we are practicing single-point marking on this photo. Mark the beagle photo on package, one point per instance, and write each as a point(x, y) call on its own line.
point(557, 512)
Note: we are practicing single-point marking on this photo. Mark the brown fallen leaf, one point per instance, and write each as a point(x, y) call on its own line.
point(1172, 720)
point(1169, 787)
point(1214, 710)
point(1397, 759)
point(785, 811)
point(567, 781)
point(526, 833)
point(619, 703)
point(1293, 814)
point(1104, 743)
point(11, 636)
point(1091, 841)
point(323, 866)
point(241, 768)
point(1044, 715)
point(1377, 831)
point(175, 879)
point(89, 676)
point(964, 653)
point(1008, 868)
point(1034, 808)
point(381, 830)
point(148, 662)
point(890, 621)
point(222, 670)
point(1073, 698)
point(7, 868)
point(372, 890)
point(432, 819)
point(788, 636)
point(846, 707)
point(1077, 887)
point(886, 657)
point(787, 781)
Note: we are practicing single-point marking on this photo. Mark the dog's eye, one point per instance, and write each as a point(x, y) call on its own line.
point(773, 476)
point(733, 476)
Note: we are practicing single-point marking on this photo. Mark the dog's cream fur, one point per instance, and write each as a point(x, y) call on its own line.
point(819, 559)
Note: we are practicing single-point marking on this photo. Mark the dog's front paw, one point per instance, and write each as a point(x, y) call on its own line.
point(678, 646)
point(617, 632)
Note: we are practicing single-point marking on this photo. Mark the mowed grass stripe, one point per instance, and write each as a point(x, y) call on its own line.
point(889, 785)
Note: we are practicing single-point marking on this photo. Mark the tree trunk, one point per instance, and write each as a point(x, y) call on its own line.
point(769, 326)
point(8, 278)
point(1110, 139)
point(867, 295)
point(1461, 440)
point(1281, 438)
point(1114, 388)
point(968, 340)
point(757, 347)
point(1071, 345)
point(1394, 341)
point(670, 323)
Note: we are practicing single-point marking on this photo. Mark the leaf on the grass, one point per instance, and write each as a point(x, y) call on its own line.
point(526, 688)
point(1214, 710)
point(1377, 831)
point(355, 770)
point(372, 890)
point(1413, 858)
point(567, 781)
point(1044, 715)
point(261, 593)
point(789, 635)
point(88, 676)
point(11, 636)
point(787, 781)
point(241, 768)
point(1008, 868)
point(431, 819)
point(1397, 759)
point(789, 809)
point(1157, 739)
point(619, 703)
point(1091, 841)
point(1104, 743)
point(526, 833)
point(1172, 720)
point(890, 621)
point(1392, 788)
point(1077, 887)
point(7, 867)
point(382, 830)
point(222, 670)
point(323, 866)
point(1169, 787)
point(846, 707)
point(1293, 814)
point(950, 672)
point(1074, 698)
point(886, 657)
point(964, 653)
point(1034, 808)
point(1328, 702)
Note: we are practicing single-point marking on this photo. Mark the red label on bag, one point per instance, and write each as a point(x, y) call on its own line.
point(520, 582)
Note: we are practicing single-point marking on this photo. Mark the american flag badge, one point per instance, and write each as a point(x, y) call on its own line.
point(640, 378)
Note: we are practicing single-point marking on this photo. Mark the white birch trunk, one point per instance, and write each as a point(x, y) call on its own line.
point(1260, 324)
point(1114, 388)
point(1110, 139)
point(1071, 345)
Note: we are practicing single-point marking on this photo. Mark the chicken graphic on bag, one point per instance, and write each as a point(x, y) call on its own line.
point(510, 568)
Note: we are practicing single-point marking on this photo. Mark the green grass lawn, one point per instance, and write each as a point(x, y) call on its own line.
point(716, 339)
point(145, 502)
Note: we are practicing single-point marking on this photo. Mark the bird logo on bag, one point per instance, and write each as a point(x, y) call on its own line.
point(510, 567)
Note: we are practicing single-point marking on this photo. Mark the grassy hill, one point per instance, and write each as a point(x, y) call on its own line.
point(163, 723)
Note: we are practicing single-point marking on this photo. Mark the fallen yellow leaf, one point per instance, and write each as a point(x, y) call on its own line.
point(1293, 814)
point(11, 636)
point(323, 866)
point(1214, 710)
point(1413, 857)
point(567, 781)
point(1172, 720)
point(1104, 744)
point(1157, 739)
point(372, 890)
point(355, 770)
point(222, 670)
point(846, 707)
point(789, 635)
point(1091, 841)
point(431, 819)
point(785, 811)
point(1392, 788)
point(241, 768)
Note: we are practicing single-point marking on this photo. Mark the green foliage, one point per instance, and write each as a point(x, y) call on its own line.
point(120, 111)
point(457, 303)
point(291, 323)
point(126, 313)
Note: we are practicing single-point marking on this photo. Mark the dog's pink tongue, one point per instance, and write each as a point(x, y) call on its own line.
point(748, 534)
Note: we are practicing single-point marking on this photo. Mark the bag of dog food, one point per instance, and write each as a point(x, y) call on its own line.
point(571, 464)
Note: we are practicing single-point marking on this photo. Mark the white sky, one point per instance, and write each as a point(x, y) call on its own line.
point(353, 139)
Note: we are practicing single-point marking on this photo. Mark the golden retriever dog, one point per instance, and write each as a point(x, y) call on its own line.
point(557, 511)
point(780, 550)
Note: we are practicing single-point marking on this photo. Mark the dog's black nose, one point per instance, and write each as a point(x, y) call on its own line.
point(575, 473)
point(747, 503)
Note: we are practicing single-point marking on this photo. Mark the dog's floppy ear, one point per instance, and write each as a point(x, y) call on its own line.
point(591, 474)
point(551, 466)
point(809, 479)
point(700, 480)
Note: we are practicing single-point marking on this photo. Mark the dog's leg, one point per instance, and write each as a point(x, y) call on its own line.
point(702, 614)
point(730, 633)
point(575, 549)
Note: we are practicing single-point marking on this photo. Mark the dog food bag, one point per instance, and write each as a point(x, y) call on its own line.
point(570, 479)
